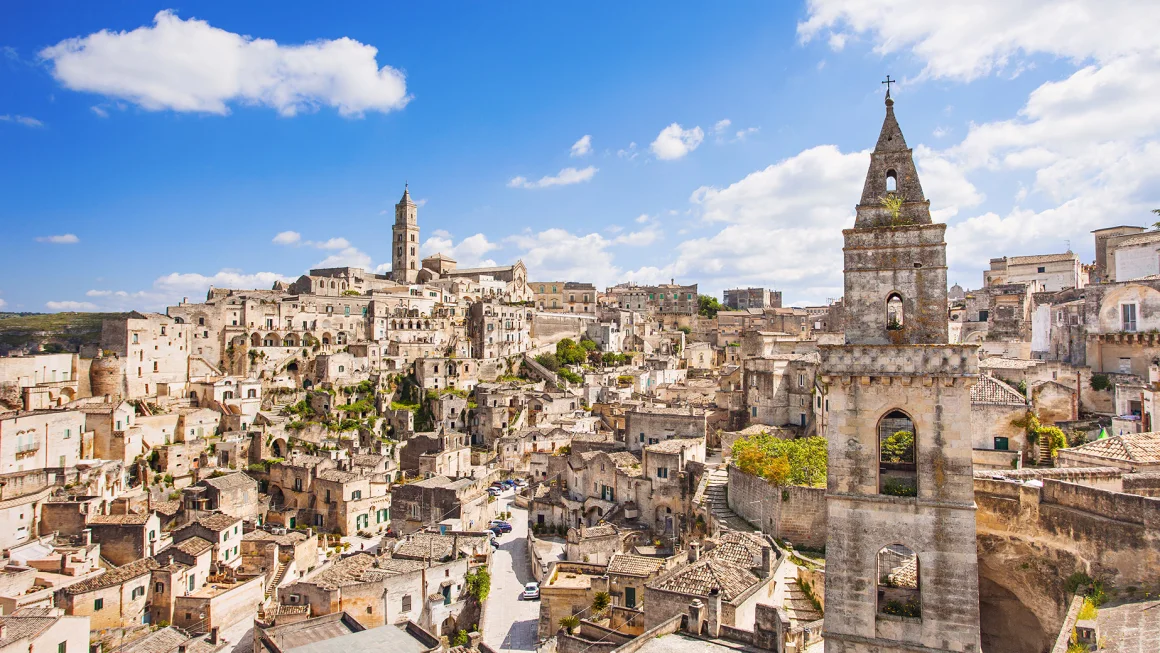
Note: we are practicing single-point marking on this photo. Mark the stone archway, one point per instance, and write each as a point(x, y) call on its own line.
point(1007, 626)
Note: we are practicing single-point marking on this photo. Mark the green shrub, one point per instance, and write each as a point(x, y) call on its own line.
point(897, 488)
point(912, 608)
point(1101, 382)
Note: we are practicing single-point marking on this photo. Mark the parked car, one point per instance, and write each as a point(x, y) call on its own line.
point(509, 483)
point(503, 526)
point(531, 592)
point(494, 491)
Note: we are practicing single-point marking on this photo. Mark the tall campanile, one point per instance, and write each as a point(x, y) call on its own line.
point(405, 251)
point(901, 565)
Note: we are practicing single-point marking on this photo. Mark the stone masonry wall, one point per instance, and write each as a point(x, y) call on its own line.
point(794, 513)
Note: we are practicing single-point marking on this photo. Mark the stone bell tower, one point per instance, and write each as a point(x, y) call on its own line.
point(901, 565)
point(405, 241)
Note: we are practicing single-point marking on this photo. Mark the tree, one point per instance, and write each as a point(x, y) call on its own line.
point(570, 623)
point(478, 584)
point(708, 306)
point(1156, 225)
point(893, 204)
point(570, 353)
point(782, 462)
point(601, 601)
point(549, 361)
point(898, 448)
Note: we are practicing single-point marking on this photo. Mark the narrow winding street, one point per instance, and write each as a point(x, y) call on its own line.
point(510, 622)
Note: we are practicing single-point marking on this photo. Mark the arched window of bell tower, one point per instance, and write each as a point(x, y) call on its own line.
point(891, 181)
point(897, 455)
point(899, 583)
point(895, 316)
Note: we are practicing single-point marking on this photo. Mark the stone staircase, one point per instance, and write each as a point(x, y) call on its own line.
point(798, 606)
point(716, 500)
point(279, 574)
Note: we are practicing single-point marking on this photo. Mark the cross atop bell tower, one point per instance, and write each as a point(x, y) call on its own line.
point(405, 241)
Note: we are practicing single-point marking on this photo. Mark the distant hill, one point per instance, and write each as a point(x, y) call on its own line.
point(53, 331)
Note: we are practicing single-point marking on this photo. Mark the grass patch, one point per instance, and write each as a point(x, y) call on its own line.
point(67, 330)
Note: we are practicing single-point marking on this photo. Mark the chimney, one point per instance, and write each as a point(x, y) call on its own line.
point(213, 635)
point(3, 631)
point(455, 546)
point(181, 648)
point(88, 535)
point(767, 561)
point(694, 552)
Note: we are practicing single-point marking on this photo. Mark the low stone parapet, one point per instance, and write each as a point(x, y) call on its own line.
point(900, 360)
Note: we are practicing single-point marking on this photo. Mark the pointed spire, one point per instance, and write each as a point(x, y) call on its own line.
point(406, 194)
point(892, 173)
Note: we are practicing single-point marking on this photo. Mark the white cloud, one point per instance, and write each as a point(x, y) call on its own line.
point(21, 120)
point(1083, 150)
point(565, 177)
point(421, 202)
point(675, 142)
point(70, 306)
point(560, 254)
point(287, 238)
point(61, 239)
point(582, 147)
point(629, 152)
point(3, 303)
point(351, 257)
point(641, 238)
point(99, 110)
point(294, 239)
point(722, 125)
point(643, 218)
point(171, 288)
point(966, 40)
point(469, 253)
point(188, 65)
point(746, 133)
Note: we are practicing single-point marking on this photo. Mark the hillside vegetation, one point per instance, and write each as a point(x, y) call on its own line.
point(53, 331)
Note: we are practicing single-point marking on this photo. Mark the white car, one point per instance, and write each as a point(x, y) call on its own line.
point(531, 592)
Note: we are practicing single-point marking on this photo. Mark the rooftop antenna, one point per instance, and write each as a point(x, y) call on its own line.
point(1068, 246)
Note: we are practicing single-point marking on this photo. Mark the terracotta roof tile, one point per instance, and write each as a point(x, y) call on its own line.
point(627, 564)
point(1130, 447)
point(992, 391)
point(114, 576)
point(706, 576)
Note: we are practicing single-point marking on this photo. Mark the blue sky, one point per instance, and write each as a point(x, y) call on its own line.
point(151, 151)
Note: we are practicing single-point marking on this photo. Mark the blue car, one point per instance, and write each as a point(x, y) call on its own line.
point(498, 526)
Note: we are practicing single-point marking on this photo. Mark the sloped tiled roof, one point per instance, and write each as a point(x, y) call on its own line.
point(676, 445)
point(231, 481)
point(992, 391)
point(193, 546)
point(1040, 258)
point(1130, 447)
point(217, 521)
point(131, 519)
point(738, 548)
point(627, 564)
point(601, 530)
point(114, 576)
point(705, 576)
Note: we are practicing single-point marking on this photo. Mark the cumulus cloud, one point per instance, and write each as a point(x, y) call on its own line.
point(560, 254)
point(674, 142)
point(189, 65)
point(346, 257)
point(294, 239)
point(629, 152)
point(21, 120)
point(1083, 150)
point(70, 306)
point(468, 253)
point(565, 177)
point(171, 288)
point(582, 147)
point(961, 40)
point(722, 125)
point(61, 239)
